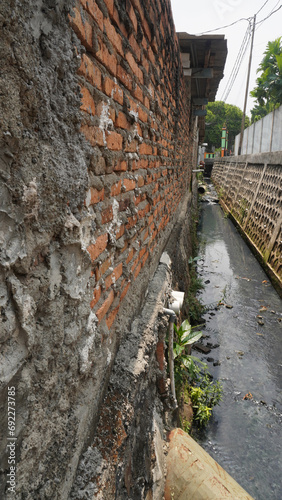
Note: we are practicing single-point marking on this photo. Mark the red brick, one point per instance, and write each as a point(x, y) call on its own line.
point(103, 108)
point(145, 149)
point(114, 141)
point(143, 211)
point(113, 90)
point(135, 46)
point(122, 121)
point(105, 306)
point(95, 249)
point(93, 9)
point(143, 163)
point(135, 165)
point(145, 258)
point(138, 94)
point(93, 134)
point(131, 222)
point(111, 317)
point(100, 270)
point(114, 276)
point(90, 72)
point(133, 18)
point(145, 64)
point(124, 77)
point(110, 6)
point(146, 28)
point(139, 130)
point(96, 195)
point(113, 36)
point(83, 29)
point(138, 269)
point(107, 215)
point(121, 166)
point(129, 184)
point(142, 252)
point(130, 255)
point(88, 104)
point(124, 292)
point(120, 232)
point(134, 67)
point(104, 56)
point(131, 147)
point(133, 105)
point(96, 296)
point(116, 188)
point(142, 115)
point(141, 181)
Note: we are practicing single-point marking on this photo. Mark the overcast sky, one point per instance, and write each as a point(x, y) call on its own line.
point(195, 17)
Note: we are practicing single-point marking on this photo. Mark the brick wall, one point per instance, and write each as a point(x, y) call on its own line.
point(96, 155)
point(136, 117)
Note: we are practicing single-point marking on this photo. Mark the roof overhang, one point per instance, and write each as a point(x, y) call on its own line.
point(203, 59)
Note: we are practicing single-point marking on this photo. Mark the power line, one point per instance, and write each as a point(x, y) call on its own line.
point(237, 64)
point(242, 19)
point(270, 14)
point(262, 7)
point(227, 26)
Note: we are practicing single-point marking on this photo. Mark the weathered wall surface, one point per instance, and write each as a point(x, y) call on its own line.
point(94, 163)
point(250, 188)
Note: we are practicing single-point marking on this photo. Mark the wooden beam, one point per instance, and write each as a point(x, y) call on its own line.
point(199, 72)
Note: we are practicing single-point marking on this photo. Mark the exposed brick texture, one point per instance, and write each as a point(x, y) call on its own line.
point(136, 111)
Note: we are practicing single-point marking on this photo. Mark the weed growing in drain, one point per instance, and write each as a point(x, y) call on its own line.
point(184, 364)
point(221, 193)
point(204, 395)
point(193, 386)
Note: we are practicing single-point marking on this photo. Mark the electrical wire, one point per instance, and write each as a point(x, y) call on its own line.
point(262, 7)
point(270, 14)
point(239, 20)
point(227, 26)
point(243, 49)
point(237, 64)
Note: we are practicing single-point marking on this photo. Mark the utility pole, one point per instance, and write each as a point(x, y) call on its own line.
point(247, 87)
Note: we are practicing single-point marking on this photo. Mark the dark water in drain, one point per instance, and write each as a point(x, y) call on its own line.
point(244, 435)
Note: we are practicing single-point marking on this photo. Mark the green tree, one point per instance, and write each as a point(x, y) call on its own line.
point(218, 114)
point(268, 91)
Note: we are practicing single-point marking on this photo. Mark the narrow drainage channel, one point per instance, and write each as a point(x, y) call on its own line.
point(244, 337)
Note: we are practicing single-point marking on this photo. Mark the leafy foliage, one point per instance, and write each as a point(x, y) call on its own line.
point(268, 91)
point(204, 395)
point(184, 364)
point(192, 384)
point(218, 114)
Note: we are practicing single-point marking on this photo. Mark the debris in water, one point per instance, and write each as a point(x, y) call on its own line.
point(248, 396)
point(260, 334)
point(228, 306)
point(264, 282)
point(263, 308)
point(260, 320)
point(201, 348)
